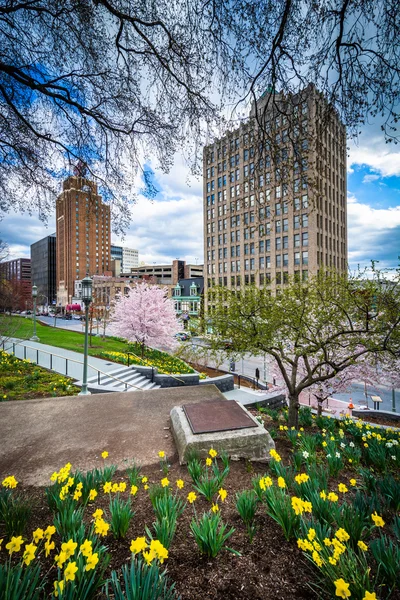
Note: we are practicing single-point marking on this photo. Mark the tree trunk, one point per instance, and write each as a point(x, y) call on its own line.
point(293, 414)
point(143, 347)
point(319, 407)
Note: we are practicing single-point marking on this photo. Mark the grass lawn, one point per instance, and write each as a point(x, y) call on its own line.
point(109, 348)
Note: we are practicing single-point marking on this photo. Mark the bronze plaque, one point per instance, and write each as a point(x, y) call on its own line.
point(219, 415)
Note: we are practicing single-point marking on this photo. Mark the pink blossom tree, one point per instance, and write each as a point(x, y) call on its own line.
point(146, 316)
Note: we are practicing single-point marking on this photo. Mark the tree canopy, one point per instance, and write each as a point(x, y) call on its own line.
point(110, 83)
point(314, 330)
point(146, 316)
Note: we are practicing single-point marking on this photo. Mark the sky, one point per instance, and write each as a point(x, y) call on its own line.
point(171, 226)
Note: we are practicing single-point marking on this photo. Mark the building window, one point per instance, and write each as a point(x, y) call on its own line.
point(304, 238)
point(278, 260)
point(305, 257)
point(278, 243)
point(296, 221)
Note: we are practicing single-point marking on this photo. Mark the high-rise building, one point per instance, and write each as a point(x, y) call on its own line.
point(43, 269)
point(83, 232)
point(275, 195)
point(16, 284)
point(128, 257)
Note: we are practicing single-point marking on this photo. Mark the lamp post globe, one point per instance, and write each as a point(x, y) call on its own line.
point(34, 338)
point(87, 299)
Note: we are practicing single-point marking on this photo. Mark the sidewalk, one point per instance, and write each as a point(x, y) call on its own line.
point(65, 362)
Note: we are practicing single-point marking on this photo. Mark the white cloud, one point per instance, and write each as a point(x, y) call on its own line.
point(372, 150)
point(373, 233)
point(370, 178)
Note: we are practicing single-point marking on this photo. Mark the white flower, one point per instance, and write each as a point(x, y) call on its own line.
point(351, 444)
point(393, 458)
point(305, 454)
point(388, 445)
point(337, 454)
point(395, 442)
point(328, 456)
point(342, 445)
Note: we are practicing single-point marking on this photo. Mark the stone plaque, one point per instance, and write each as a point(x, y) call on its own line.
point(219, 415)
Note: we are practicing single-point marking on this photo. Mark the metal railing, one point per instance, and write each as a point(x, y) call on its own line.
point(152, 368)
point(73, 360)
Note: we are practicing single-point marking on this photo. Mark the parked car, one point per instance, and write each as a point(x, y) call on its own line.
point(77, 317)
point(182, 336)
point(68, 317)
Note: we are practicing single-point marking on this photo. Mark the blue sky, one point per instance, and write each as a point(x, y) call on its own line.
point(171, 226)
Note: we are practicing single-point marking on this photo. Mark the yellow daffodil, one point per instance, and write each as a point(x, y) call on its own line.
point(58, 587)
point(342, 488)
point(104, 454)
point(281, 482)
point(222, 494)
point(362, 546)
point(191, 497)
point(213, 453)
point(342, 588)
point(60, 559)
point(98, 513)
point(208, 461)
point(29, 553)
point(379, 522)
point(161, 454)
point(215, 508)
point(69, 547)
point(353, 482)
point(10, 482)
point(138, 545)
point(180, 483)
point(86, 548)
point(69, 572)
point(311, 534)
point(369, 596)
point(165, 482)
point(38, 535)
point(92, 495)
point(134, 490)
point(49, 532)
point(14, 545)
point(144, 479)
point(107, 487)
point(91, 561)
point(342, 535)
point(49, 546)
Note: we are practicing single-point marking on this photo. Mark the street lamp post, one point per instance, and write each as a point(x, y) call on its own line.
point(34, 338)
point(87, 298)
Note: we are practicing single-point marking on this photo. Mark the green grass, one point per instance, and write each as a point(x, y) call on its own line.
point(110, 348)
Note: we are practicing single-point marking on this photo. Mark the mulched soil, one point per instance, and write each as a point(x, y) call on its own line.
point(269, 569)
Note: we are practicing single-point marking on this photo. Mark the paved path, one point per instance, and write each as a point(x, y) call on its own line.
point(38, 437)
point(65, 362)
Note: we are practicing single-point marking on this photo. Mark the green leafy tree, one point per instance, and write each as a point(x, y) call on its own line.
point(314, 330)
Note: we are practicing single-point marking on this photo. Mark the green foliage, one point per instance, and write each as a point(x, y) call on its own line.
point(355, 522)
point(208, 485)
point(20, 583)
point(140, 581)
point(15, 512)
point(134, 473)
point(387, 556)
point(157, 491)
point(396, 527)
point(68, 520)
point(246, 505)
point(87, 583)
point(195, 469)
point(121, 515)
point(211, 534)
point(279, 508)
point(389, 488)
point(164, 362)
point(305, 417)
point(93, 479)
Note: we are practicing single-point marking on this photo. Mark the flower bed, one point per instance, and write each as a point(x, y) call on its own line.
point(321, 520)
point(164, 362)
point(21, 379)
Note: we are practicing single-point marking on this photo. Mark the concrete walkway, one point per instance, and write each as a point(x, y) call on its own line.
point(38, 437)
point(65, 362)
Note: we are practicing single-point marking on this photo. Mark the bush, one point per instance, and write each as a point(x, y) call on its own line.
point(211, 534)
point(246, 505)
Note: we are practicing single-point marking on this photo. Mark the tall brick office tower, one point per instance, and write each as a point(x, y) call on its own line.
point(275, 195)
point(83, 232)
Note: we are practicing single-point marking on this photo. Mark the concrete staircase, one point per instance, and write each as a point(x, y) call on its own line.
point(123, 379)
